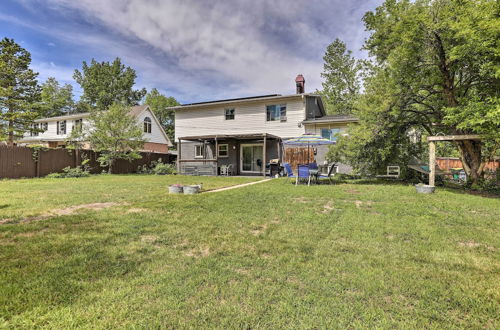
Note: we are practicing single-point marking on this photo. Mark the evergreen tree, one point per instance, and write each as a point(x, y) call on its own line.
point(341, 74)
point(19, 91)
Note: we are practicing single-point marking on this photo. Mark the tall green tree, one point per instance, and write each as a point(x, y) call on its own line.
point(341, 73)
point(57, 100)
point(436, 69)
point(115, 133)
point(160, 105)
point(105, 83)
point(19, 91)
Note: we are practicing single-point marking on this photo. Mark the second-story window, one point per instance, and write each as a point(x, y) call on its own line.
point(61, 127)
point(35, 130)
point(330, 133)
point(229, 114)
point(276, 112)
point(78, 125)
point(44, 126)
point(147, 125)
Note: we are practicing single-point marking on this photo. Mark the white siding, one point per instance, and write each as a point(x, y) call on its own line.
point(156, 134)
point(249, 118)
point(316, 128)
point(51, 133)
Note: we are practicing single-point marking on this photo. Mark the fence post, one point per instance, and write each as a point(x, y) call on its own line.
point(38, 160)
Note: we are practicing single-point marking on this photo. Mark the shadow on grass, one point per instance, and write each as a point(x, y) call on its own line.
point(60, 282)
point(454, 188)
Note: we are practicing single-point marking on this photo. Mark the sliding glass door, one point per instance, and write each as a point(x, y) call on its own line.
point(251, 158)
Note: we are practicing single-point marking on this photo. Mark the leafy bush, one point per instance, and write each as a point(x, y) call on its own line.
point(70, 172)
point(158, 168)
point(161, 169)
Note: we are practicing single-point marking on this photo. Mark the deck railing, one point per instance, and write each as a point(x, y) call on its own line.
point(198, 166)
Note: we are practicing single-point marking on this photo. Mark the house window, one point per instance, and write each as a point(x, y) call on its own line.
point(223, 150)
point(199, 151)
point(147, 125)
point(276, 112)
point(44, 126)
point(61, 127)
point(34, 130)
point(78, 125)
point(330, 133)
point(229, 114)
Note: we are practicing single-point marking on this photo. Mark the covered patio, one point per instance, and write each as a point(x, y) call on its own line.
point(234, 154)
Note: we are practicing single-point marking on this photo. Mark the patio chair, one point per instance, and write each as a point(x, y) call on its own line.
point(330, 174)
point(289, 171)
point(303, 173)
point(313, 166)
point(226, 170)
point(230, 170)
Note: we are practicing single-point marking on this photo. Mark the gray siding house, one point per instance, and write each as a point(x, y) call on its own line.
point(248, 132)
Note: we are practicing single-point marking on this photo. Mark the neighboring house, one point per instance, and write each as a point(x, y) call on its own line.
point(55, 130)
point(248, 132)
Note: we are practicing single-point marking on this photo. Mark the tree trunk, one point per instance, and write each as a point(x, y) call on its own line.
point(470, 154)
point(110, 168)
point(10, 139)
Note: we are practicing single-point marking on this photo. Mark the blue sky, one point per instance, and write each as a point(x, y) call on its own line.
point(192, 50)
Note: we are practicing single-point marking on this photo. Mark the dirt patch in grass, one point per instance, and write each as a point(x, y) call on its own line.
point(360, 204)
point(149, 238)
point(259, 230)
point(353, 191)
point(242, 271)
point(65, 211)
point(472, 244)
point(198, 253)
point(328, 207)
point(136, 210)
point(302, 200)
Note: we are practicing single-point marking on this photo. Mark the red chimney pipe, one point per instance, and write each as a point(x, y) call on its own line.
point(300, 82)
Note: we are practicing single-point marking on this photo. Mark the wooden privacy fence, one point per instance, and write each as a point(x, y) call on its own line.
point(446, 163)
point(299, 155)
point(18, 162)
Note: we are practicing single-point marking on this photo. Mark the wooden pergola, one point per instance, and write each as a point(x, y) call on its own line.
point(432, 151)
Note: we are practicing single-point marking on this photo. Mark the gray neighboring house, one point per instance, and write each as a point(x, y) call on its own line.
point(248, 132)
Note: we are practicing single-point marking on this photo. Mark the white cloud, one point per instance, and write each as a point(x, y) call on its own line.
point(220, 48)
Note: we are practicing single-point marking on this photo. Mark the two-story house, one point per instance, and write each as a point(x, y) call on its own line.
point(53, 132)
point(248, 132)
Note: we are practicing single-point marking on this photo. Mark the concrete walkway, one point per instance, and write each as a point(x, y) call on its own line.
point(237, 186)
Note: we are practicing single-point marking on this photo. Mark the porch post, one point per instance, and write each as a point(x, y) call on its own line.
point(432, 163)
point(179, 156)
point(264, 156)
point(279, 151)
point(216, 156)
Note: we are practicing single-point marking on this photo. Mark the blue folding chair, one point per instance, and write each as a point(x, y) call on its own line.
point(303, 173)
point(289, 171)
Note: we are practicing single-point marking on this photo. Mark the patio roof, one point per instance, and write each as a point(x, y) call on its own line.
point(230, 136)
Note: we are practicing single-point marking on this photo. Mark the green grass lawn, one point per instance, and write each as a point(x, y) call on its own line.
point(270, 255)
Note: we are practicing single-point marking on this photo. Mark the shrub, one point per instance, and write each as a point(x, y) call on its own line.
point(161, 169)
point(70, 172)
point(157, 167)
